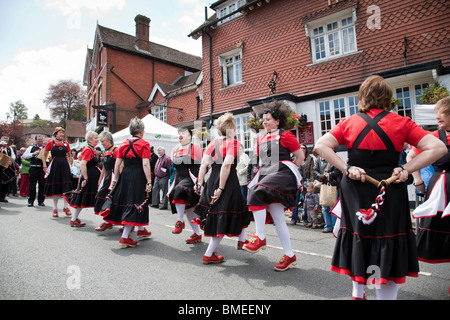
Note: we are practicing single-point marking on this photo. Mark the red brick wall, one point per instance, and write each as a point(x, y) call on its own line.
point(139, 73)
point(273, 38)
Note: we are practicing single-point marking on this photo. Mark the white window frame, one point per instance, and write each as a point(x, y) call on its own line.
point(334, 110)
point(413, 98)
point(330, 35)
point(235, 65)
point(228, 8)
point(160, 112)
point(243, 132)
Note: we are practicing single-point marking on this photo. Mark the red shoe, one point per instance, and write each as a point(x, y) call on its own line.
point(179, 226)
point(104, 226)
point(67, 211)
point(213, 259)
point(363, 298)
point(77, 223)
point(143, 233)
point(55, 213)
point(194, 238)
point(241, 244)
point(285, 263)
point(254, 244)
point(127, 242)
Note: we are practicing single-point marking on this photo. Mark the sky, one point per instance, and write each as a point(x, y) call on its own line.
point(44, 41)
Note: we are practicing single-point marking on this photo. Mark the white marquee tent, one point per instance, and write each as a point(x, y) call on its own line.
point(424, 114)
point(157, 133)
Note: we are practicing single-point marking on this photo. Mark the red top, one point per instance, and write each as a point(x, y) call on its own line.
point(107, 153)
point(399, 129)
point(287, 140)
point(49, 145)
point(229, 146)
point(141, 147)
point(436, 134)
point(87, 154)
point(196, 152)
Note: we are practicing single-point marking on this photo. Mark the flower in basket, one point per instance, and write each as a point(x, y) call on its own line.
point(254, 122)
point(292, 121)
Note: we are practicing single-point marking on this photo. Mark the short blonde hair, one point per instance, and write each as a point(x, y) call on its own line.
point(443, 106)
point(58, 129)
point(374, 93)
point(225, 122)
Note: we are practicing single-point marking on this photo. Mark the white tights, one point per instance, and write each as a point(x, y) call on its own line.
point(214, 242)
point(181, 210)
point(388, 291)
point(277, 212)
point(55, 202)
point(127, 230)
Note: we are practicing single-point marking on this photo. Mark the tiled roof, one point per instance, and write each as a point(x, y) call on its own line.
point(119, 40)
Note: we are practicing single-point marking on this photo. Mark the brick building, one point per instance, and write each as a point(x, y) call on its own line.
point(122, 69)
point(321, 52)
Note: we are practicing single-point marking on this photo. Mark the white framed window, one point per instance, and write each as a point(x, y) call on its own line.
point(231, 64)
point(229, 8)
point(332, 36)
point(332, 111)
point(160, 112)
point(408, 96)
point(243, 133)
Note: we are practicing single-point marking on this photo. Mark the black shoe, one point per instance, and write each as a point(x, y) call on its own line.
point(41, 204)
point(3, 200)
point(163, 208)
point(30, 204)
point(153, 206)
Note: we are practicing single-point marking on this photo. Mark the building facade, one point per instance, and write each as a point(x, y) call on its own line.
point(315, 54)
point(121, 71)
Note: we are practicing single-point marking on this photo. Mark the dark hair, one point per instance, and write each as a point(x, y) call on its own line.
point(185, 129)
point(278, 110)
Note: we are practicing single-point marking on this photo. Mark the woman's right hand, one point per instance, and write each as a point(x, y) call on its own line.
point(356, 173)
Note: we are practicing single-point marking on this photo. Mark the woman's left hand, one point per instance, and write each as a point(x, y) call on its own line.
point(217, 194)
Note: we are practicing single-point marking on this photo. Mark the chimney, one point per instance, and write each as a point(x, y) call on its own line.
point(142, 32)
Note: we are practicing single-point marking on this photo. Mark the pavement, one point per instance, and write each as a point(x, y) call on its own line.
point(43, 258)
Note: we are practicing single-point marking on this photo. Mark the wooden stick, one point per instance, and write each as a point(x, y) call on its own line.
point(373, 181)
point(390, 180)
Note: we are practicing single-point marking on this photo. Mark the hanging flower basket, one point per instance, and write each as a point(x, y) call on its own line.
point(293, 121)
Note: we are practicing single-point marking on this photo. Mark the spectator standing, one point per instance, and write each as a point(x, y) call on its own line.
point(36, 173)
point(241, 169)
point(162, 175)
point(24, 175)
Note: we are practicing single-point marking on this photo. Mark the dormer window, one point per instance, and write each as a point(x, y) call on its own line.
point(228, 8)
point(333, 36)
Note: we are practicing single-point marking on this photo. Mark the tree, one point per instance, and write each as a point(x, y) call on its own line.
point(17, 110)
point(66, 101)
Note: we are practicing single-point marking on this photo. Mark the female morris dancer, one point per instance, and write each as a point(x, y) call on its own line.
point(182, 197)
point(385, 242)
point(276, 184)
point(222, 209)
point(58, 176)
point(128, 205)
point(84, 195)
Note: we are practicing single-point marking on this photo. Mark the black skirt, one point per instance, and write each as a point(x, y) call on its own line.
point(229, 215)
point(183, 192)
point(433, 235)
point(103, 192)
point(85, 197)
point(128, 202)
point(58, 180)
point(383, 250)
point(280, 186)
